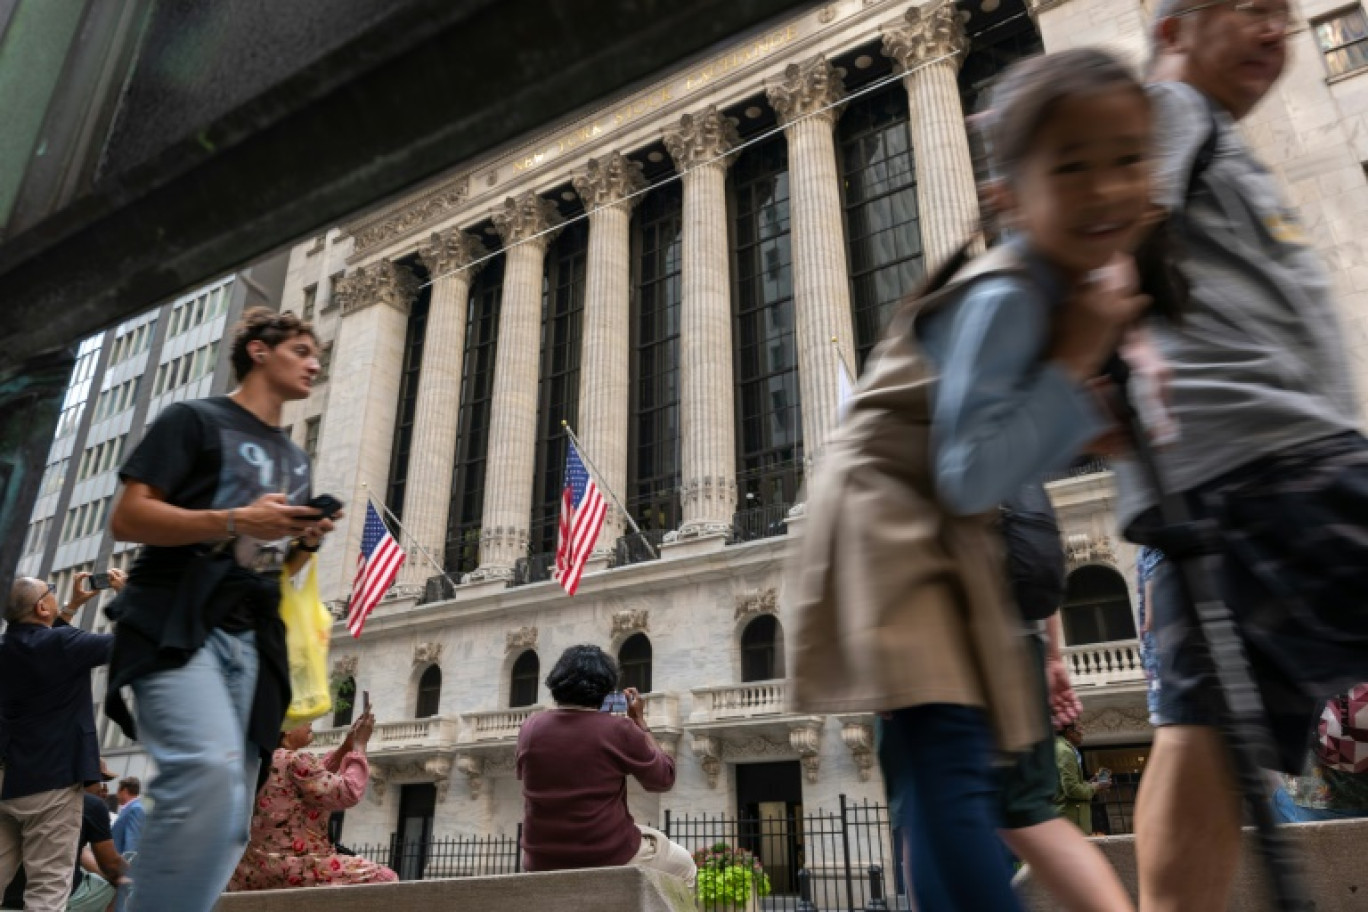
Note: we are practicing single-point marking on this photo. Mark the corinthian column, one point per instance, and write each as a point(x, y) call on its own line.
point(513, 421)
point(928, 45)
point(358, 435)
point(706, 391)
point(805, 98)
point(606, 186)
point(428, 493)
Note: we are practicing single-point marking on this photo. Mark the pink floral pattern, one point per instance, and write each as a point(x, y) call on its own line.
point(289, 845)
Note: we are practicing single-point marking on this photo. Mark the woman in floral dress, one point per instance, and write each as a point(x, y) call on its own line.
point(1147, 563)
point(289, 845)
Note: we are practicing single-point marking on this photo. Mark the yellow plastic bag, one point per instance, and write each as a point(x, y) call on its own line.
point(308, 630)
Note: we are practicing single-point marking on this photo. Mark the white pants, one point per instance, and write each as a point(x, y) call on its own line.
point(659, 853)
point(42, 831)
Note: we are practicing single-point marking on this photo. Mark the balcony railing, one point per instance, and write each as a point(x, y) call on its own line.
point(662, 711)
point(535, 568)
point(433, 733)
point(1100, 664)
point(495, 725)
point(739, 701)
point(630, 549)
point(760, 522)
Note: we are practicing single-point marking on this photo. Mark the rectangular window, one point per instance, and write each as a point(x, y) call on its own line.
point(769, 435)
point(1343, 40)
point(882, 227)
point(159, 385)
point(653, 473)
point(408, 397)
point(324, 362)
point(558, 389)
point(311, 430)
point(310, 299)
point(332, 291)
point(472, 435)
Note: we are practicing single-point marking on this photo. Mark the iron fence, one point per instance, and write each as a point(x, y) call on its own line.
point(535, 568)
point(453, 856)
point(630, 549)
point(760, 522)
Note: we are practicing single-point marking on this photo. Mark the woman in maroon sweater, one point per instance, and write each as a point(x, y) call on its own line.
point(574, 762)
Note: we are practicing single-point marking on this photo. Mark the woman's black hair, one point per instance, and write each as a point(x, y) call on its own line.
point(583, 676)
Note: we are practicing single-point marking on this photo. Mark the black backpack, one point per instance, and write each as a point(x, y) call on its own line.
point(1035, 553)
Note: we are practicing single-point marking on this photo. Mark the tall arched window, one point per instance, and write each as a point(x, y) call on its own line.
point(634, 661)
point(345, 704)
point(429, 693)
point(762, 655)
point(522, 685)
point(1097, 607)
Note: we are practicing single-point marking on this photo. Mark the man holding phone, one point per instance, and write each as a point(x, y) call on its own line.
point(220, 497)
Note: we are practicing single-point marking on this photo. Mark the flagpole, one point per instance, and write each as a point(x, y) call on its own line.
point(603, 484)
point(417, 544)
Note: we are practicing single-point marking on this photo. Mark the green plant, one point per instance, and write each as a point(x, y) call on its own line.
point(344, 689)
point(729, 876)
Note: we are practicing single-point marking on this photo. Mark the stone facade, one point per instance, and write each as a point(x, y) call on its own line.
point(694, 603)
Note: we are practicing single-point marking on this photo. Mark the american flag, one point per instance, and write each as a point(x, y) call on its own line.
point(378, 564)
point(581, 519)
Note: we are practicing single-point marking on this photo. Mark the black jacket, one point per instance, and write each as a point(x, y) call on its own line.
point(47, 717)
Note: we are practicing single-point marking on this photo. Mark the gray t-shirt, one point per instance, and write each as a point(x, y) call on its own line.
point(1258, 361)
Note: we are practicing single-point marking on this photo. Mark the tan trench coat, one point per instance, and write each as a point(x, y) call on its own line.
point(899, 603)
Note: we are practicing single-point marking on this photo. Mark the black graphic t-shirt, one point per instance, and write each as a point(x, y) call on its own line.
point(213, 454)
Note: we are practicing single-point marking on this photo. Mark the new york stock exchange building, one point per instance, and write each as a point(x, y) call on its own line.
point(678, 274)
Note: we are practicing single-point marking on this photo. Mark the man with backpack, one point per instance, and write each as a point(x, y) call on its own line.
point(1268, 449)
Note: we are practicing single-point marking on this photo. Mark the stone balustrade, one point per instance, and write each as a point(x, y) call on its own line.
point(433, 733)
point(496, 725)
point(739, 701)
point(1102, 664)
point(662, 711)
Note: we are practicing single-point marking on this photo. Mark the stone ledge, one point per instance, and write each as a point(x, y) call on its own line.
point(626, 889)
point(1332, 855)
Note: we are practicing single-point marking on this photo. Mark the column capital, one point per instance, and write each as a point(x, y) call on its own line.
point(446, 251)
point(701, 136)
point(807, 88)
point(525, 217)
point(925, 33)
point(609, 180)
point(383, 282)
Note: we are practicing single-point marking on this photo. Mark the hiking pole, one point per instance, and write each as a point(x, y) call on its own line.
point(1194, 546)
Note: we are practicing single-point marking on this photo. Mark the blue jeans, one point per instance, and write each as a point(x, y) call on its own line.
point(942, 764)
point(193, 721)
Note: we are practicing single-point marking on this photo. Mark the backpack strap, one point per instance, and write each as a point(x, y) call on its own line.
point(1206, 154)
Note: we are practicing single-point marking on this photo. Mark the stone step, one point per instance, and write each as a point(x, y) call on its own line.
point(1334, 862)
point(627, 889)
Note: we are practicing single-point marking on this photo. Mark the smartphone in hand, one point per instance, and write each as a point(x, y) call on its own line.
point(97, 581)
point(326, 505)
point(615, 703)
point(365, 703)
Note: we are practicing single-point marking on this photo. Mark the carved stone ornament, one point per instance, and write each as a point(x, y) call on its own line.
point(708, 750)
point(379, 783)
point(1087, 548)
point(764, 601)
point(520, 639)
point(827, 14)
point(608, 180)
point(857, 733)
point(757, 746)
point(445, 252)
point(806, 740)
point(926, 33)
point(702, 137)
point(631, 620)
point(425, 210)
point(709, 490)
point(345, 666)
point(527, 217)
point(1116, 720)
point(427, 653)
point(811, 88)
point(377, 283)
point(503, 537)
point(473, 769)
